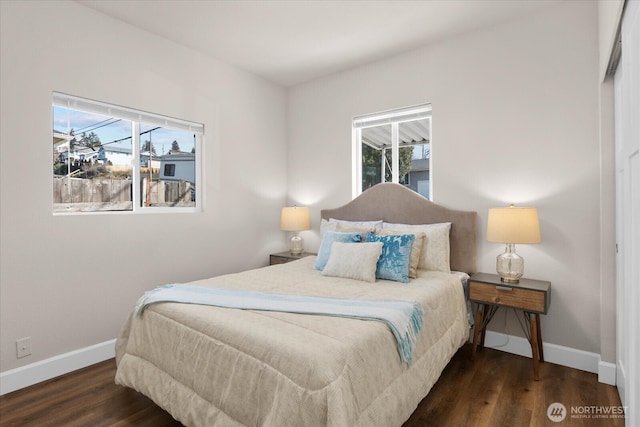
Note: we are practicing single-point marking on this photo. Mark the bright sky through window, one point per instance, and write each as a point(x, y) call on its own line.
point(117, 132)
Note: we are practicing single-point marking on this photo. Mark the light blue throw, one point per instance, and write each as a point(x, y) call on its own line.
point(404, 318)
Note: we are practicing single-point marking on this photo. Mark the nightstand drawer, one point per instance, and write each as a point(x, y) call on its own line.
point(275, 259)
point(508, 295)
point(285, 257)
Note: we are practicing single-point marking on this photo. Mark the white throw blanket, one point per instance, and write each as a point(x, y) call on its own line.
point(404, 318)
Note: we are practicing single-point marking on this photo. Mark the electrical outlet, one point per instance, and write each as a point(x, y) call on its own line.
point(23, 347)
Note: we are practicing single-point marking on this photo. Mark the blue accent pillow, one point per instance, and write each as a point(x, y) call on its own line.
point(394, 261)
point(327, 240)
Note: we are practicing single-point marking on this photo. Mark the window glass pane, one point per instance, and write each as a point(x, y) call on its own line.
point(371, 161)
point(387, 158)
point(92, 162)
point(170, 169)
point(415, 155)
point(377, 157)
point(167, 167)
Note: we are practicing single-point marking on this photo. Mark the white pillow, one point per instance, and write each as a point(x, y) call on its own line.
point(332, 224)
point(375, 223)
point(353, 261)
point(436, 250)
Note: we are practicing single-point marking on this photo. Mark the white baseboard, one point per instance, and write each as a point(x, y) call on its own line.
point(34, 373)
point(560, 355)
point(607, 373)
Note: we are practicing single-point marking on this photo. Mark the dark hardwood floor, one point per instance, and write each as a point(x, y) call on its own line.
point(495, 390)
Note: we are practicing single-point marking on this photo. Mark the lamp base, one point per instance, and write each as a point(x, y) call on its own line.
point(510, 265)
point(296, 245)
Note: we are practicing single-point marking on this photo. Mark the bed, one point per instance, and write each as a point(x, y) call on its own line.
point(214, 366)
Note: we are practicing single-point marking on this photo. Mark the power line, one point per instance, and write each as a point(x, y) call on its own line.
point(86, 128)
point(128, 137)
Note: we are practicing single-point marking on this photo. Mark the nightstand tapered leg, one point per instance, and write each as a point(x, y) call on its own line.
point(486, 318)
point(476, 329)
point(534, 346)
point(540, 352)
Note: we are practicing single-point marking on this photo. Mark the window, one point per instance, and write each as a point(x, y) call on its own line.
point(109, 158)
point(170, 169)
point(393, 146)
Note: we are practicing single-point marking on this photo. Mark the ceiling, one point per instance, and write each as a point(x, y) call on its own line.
point(293, 41)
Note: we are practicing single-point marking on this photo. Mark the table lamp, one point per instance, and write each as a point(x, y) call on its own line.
point(510, 226)
point(295, 219)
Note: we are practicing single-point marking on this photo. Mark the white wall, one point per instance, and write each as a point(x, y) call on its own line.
point(515, 120)
point(68, 289)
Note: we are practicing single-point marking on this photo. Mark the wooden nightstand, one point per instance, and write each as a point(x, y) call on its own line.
point(284, 257)
point(531, 297)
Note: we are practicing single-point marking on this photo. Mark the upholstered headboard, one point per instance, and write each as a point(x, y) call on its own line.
point(395, 203)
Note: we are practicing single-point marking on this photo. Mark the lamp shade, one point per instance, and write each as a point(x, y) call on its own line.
point(295, 219)
point(513, 225)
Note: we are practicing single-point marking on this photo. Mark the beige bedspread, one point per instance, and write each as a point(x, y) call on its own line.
point(215, 367)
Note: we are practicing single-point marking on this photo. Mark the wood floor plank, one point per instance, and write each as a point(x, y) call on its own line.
point(496, 389)
point(482, 394)
point(455, 378)
point(516, 378)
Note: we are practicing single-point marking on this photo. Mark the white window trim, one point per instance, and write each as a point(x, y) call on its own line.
point(136, 116)
point(394, 118)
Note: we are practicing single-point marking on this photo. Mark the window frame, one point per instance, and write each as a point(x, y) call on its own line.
point(138, 117)
point(394, 118)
